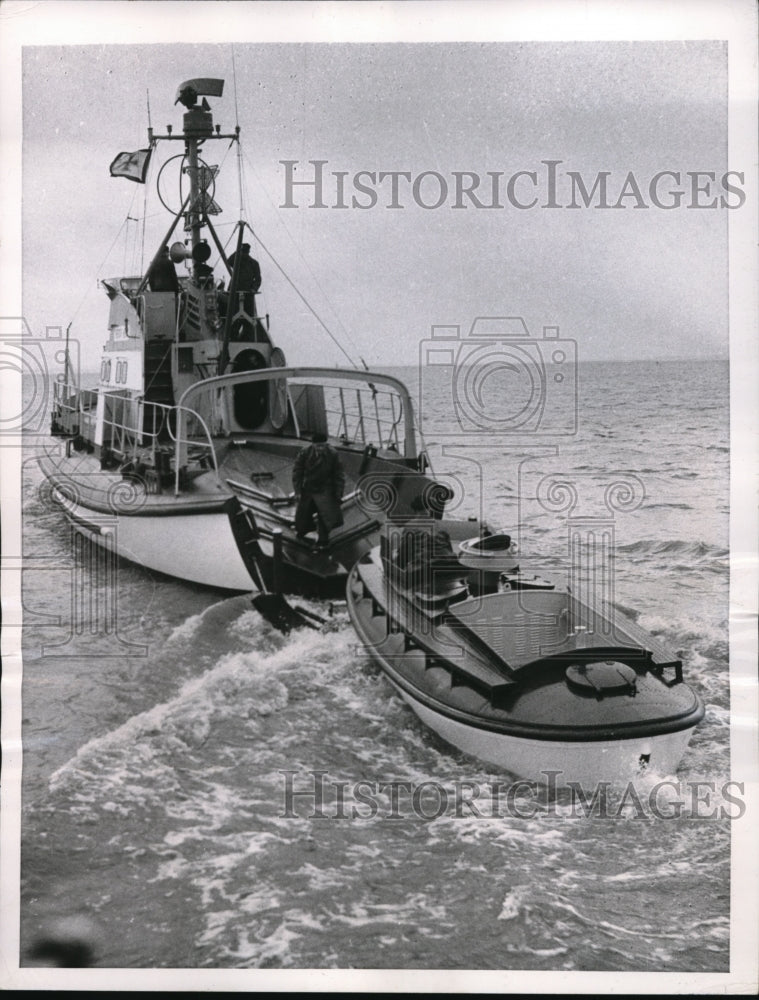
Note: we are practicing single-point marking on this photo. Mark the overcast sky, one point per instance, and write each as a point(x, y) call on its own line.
point(624, 283)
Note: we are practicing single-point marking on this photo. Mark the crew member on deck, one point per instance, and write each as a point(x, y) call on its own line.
point(162, 276)
point(248, 278)
point(318, 481)
point(204, 274)
point(222, 298)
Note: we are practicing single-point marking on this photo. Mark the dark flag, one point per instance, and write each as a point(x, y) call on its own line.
point(133, 166)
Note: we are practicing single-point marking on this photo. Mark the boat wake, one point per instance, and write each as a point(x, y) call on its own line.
point(190, 796)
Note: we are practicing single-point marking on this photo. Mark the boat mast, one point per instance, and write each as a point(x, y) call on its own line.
point(198, 124)
point(193, 213)
point(197, 127)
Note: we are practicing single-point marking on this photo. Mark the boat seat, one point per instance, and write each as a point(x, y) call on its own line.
point(434, 602)
point(431, 576)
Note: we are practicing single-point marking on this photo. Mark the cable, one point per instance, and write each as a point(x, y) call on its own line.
point(303, 299)
point(108, 254)
point(347, 335)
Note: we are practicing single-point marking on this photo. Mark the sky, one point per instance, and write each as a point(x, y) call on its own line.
point(625, 283)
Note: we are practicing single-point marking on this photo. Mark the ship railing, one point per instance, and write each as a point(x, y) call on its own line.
point(136, 429)
point(74, 408)
point(183, 442)
point(379, 412)
point(367, 415)
point(152, 426)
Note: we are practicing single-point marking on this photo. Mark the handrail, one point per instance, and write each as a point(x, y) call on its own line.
point(140, 432)
point(388, 439)
point(208, 444)
point(122, 428)
point(336, 374)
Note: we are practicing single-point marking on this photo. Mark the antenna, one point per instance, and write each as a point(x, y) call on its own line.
point(237, 129)
point(234, 81)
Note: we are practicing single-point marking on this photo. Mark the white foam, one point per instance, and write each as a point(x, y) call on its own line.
point(512, 904)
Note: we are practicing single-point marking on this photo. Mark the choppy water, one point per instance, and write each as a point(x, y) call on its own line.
point(155, 774)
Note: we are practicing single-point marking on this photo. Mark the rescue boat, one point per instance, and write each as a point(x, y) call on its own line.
point(181, 458)
point(512, 668)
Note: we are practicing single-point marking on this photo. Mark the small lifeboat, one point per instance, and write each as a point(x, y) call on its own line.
point(513, 669)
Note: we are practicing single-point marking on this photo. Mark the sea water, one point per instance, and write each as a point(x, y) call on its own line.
point(160, 758)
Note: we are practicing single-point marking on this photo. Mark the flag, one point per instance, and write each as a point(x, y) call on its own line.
point(133, 166)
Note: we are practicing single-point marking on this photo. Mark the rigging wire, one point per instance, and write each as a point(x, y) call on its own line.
point(146, 187)
point(297, 291)
point(131, 233)
point(256, 237)
point(302, 297)
point(346, 333)
point(100, 265)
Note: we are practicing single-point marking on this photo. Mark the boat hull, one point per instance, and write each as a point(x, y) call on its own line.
point(559, 762)
point(543, 732)
point(199, 548)
point(208, 536)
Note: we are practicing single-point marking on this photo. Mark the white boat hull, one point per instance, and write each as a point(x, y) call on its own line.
point(587, 764)
point(196, 547)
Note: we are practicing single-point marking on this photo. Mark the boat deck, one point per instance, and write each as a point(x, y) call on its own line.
point(265, 471)
point(81, 478)
point(439, 668)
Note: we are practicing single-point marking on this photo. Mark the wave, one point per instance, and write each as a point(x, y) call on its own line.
point(247, 681)
point(668, 506)
point(693, 549)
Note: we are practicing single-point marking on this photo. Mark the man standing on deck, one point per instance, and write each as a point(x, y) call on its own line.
point(318, 481)
point(248, 278)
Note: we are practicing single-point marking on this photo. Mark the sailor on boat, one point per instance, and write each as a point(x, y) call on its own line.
point(319, 482)
point(162, 276)
point(248, 276)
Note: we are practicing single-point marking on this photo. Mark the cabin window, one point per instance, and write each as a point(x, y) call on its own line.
point(185, 360)
point(105, 370)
